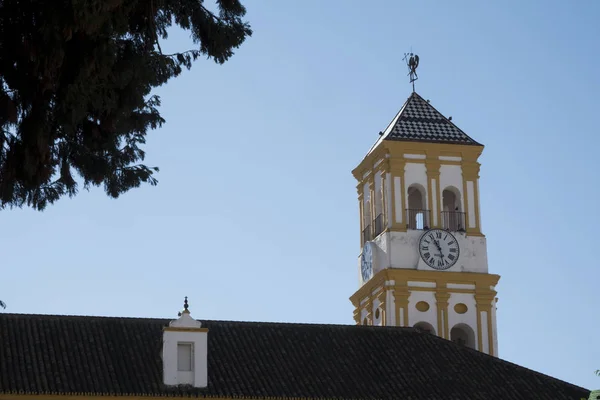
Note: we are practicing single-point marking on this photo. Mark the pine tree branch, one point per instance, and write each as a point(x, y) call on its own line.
point(218, 19)
point(176, 54)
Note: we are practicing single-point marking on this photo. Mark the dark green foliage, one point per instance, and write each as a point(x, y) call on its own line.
point(76, 78)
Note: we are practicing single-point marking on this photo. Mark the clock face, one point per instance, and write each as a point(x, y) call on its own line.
point(439, 249)
point(366, 262)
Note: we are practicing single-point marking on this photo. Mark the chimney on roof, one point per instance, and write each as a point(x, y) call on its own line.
point(185, 351)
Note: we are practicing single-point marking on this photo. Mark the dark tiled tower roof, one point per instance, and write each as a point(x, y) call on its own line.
point(60, 355)
point(418, 120)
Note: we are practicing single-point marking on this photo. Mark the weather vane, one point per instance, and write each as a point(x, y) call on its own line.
point(412, 62)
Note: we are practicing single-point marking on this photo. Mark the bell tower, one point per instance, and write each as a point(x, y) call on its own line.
point(423, 260)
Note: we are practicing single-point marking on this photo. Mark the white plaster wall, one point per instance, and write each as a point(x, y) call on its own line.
point(434, 196)
point(415, 316)
point(200, 354)
point(381, 249)
point(471, 198)
point(450, 158)
point(378, 198)
point(390, 305)
point(469, 318)
point(377, 321)
point(401, 250)
point(363, 314)
point(451, 175)
point(485, 342)
point(398, 195)
point(415, 156)
point(367, 205)
point(388, 199)
point(479, 215)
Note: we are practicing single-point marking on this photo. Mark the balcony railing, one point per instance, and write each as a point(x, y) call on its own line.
point(418, 219)
point(372, 231)
point(366, 234)
point(453, 220)
point(378, 225)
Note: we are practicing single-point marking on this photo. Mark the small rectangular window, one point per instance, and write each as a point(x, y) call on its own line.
point(185, 352)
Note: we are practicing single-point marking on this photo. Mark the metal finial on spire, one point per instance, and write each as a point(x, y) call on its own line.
point(412, 62)
point(185, 304)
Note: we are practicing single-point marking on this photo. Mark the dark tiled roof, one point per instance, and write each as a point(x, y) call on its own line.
point(43, 354)
point(420, 121)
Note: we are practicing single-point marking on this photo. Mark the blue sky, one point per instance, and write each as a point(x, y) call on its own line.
point(255, 216)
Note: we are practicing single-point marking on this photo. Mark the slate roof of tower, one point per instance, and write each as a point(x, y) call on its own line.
point(46, 354)
point(418, 120)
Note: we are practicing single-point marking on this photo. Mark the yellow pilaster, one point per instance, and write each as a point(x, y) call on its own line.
point(357, 315)
point(383, 169)
point(483, 303)
point(381, 296)
point(361, 205)
point(401, 295)
point(433, 173)
point(371, 180)
point(369, 309)
point(397, 166)
point(470, 172)
point(442, 313)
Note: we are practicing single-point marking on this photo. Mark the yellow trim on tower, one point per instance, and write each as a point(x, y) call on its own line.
point(401, 295)
point(466, 201)
point(483, 303)
point(476, 197)
point(442, 298)
point(482, 292)
point(433, 172)
point(397, 166)
point(381, 296)
point(470, 172)
point(383, 169)
point(361, 205)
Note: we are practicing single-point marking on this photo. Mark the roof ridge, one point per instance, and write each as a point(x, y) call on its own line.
point(218, 321)
point(445, 118)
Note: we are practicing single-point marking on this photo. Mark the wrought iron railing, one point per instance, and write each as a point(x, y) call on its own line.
point(418, 219)
point(378, 225)
point(453, 220)
point(366, 234)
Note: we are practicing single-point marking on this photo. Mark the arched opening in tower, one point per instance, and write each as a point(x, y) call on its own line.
point(453, 217)
point(463, 334)
point(425, 327)
point(417, 215)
